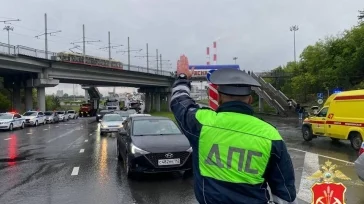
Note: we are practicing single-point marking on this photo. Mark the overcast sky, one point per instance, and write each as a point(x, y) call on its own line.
point(257, 32)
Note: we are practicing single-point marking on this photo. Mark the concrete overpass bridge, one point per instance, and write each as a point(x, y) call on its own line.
point(28, 68)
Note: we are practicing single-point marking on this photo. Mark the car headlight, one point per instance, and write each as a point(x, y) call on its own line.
point(190, 149)
point(137, 150)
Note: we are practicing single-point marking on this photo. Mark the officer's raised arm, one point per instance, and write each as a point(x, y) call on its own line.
point(280, 174)
point(182, 105)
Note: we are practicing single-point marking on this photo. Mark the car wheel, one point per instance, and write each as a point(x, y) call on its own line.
point(356, 140)
point(118, 151)
point(22, 126)
point(307, 133)
point(11, 127)
point(36, 123)
point(128, 171)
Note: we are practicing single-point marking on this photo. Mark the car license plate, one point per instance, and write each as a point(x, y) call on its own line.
point(166, 162)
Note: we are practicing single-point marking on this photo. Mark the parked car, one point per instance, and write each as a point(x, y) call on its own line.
point(34, 118)
point(111, 123)
point(62, 115)
point(359, 163)
point(153, 144)
point(72, 114)
point(51, 117)
point(9, 121)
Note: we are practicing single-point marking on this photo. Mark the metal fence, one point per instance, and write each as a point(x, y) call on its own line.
point(32, 52)
point(7, 49)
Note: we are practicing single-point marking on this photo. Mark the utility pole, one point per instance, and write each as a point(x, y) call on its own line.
point(160, 61)
point(46, 33)
point(147, 59)
point(129, 52)
point(8, 28)
point(294, 29)
point(109, 47)
point(235, 58)
point(84, 43)
point(157, 59)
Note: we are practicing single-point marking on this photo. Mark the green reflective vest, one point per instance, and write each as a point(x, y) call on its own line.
point(234, 147)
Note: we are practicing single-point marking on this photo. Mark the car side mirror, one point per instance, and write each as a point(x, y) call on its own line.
point(122, 132)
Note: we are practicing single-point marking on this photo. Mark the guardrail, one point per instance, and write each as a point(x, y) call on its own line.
point(41, 54)
point(7, 49)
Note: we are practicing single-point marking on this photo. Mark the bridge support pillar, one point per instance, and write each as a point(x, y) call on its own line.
point(41, 98)
point(28, 98)
point(157, 101)
point(261, 105)
point(16, 97)
point(148, 102)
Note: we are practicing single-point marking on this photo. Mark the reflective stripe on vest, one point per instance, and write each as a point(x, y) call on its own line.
point(234, 147)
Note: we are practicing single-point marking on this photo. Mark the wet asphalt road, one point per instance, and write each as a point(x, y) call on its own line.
point(70, 163)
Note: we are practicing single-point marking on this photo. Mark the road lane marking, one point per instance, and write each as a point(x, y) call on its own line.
point(327, 157)
point(90, 134)
point(60, 136)
point(310, 166)
point(75, 171)
point(57, 126)
point(86, 140)
point(8, 138)
point(29, 133)
point(82, 150)
point(45, 129)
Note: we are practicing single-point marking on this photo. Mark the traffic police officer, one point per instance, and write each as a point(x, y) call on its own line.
point(235, 155)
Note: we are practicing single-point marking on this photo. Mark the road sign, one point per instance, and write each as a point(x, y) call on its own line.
point(320, 95)
point(320, 101)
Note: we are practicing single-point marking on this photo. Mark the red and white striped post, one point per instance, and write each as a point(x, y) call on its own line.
point(213, 94)
point(208, 55)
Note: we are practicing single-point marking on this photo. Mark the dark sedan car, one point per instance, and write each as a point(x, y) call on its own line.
point(151, 144)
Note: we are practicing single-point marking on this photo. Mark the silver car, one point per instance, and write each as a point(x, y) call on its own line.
point(111, 123)
point(359, 163)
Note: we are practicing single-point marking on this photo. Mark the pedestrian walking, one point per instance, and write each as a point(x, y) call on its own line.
point(235, 154)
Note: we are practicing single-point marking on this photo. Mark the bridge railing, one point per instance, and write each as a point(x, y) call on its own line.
point(148, 70)
point(32, 52)
point(7, 49)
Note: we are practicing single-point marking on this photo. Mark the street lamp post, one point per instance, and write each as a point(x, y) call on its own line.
point(294, 29)
point(235, 58)
point(9, 28)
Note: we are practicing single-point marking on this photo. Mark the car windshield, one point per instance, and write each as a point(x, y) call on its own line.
point(113, 117)
point(155, 127)
point(71, 111)
point(30, 114)
point(60, 112)
point(48, 113)
point(6, 116)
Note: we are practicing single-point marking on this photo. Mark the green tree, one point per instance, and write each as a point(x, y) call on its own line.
point(5, 103)
point(361, 15)
point(52, 102)
point(335, 61)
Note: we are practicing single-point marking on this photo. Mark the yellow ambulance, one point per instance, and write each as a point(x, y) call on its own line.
point(341, 118)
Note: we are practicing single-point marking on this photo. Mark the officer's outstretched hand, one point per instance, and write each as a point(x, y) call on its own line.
point(183, 67)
